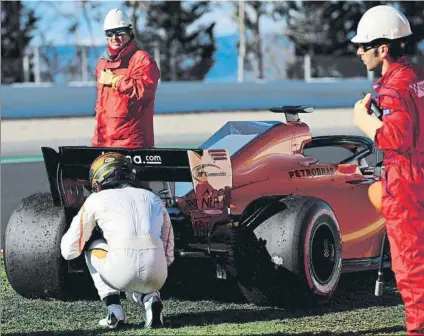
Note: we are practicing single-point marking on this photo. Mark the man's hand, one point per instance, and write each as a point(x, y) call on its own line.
point(107, 77)
point(362, 118)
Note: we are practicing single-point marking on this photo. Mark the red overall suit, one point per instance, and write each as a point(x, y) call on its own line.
point(400, 93)
point(124, 116)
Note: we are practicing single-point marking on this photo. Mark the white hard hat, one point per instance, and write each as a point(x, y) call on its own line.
point(382, 22)
point(116, 18)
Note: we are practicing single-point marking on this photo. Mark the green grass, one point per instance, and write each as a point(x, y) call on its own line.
point(206, 307)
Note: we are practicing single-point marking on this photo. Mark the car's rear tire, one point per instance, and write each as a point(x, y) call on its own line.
point(294, 256)
point(34, 266)
point(322, 251)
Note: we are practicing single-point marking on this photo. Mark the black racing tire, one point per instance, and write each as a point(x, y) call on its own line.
point(292, 257)
point(320, 261)
point(34, 266)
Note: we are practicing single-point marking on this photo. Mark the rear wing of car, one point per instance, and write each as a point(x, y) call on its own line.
point(68, 169)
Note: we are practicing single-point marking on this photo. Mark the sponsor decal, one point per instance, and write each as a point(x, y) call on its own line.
point(418, 88)
point(211, 198)
point(191, 203)
point(138, 159)
point(146, 160)
point(204, 171)
point(109, 159)
point(212, 180)
point(311, 172)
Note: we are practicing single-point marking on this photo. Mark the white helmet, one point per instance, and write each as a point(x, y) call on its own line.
point(116, 18)
point(382, 22)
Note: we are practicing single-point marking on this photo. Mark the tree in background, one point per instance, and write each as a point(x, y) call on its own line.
point(17, 22)
point(320, 29)
point(78, 67)
point(186, 54)
point(414, 10)
point(323, 31)
point(254, 11)
point(138, 11)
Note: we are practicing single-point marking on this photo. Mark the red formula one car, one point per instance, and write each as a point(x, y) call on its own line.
point(276, 209)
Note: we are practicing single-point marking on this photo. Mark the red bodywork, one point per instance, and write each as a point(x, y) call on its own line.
point(243, 165)
point(274, 164)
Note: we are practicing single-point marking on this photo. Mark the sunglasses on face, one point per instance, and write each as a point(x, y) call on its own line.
point(117, 32)
point(365, 47)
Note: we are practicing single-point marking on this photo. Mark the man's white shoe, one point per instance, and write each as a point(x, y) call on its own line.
point(154, 316)
point(114, 318)
point(153, 306)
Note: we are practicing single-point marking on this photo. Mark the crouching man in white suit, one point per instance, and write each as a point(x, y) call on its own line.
point(137, 245)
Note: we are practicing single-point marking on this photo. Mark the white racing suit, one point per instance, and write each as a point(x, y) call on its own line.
point(138, 238)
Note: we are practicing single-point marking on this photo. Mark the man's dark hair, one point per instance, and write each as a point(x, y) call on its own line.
point(397, 47)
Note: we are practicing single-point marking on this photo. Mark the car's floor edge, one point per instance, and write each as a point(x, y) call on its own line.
point(363, 264)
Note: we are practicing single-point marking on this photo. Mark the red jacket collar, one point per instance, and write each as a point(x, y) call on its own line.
point(394, 67)
point(128, 49)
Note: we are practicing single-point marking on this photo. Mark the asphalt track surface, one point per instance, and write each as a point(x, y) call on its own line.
point(19, 180)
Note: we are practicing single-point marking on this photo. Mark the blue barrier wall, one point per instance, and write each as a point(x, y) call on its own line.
point(70, 101)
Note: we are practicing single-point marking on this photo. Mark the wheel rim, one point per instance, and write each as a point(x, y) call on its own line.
point(323, 253)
